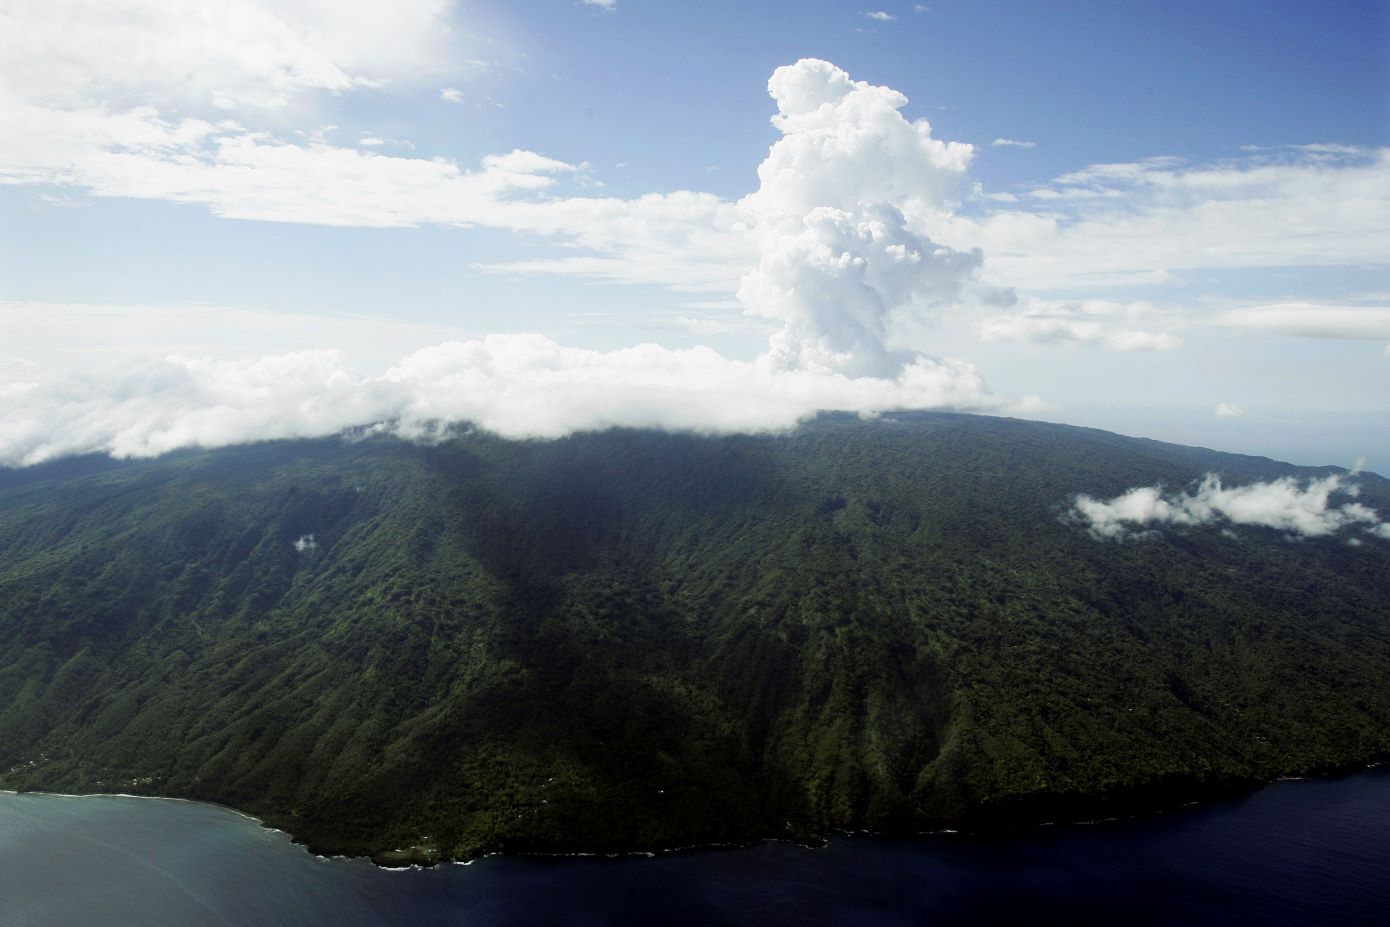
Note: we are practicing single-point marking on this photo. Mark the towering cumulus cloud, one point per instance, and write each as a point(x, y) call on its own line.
point(830, 257)
point(1280, 504)
point(837, 259)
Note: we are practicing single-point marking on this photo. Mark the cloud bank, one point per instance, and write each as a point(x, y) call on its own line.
point(517, 386)
point(1279, 504)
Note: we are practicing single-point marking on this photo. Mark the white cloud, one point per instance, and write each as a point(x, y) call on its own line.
point(1040, 329)
point(826, 218)
point(833, 258)
point(835, 262)
point(880, 16)
point(1315, 148)
point(104, 92)
point(855, 229)
point(1142, 341)
point(373, 141)
point(306, 543)
point(1229, 410)
point(517, 386)
point(52, 336)
point(720, 325)
point(1011, 143)
point(246, 175)
point(608, 6)
point(1144, 222)
point(64, 202)
point(251, 52)
point(844, 145)
point(1091, 321)
point(836, 257)
point(835, 282)
point(1280, 504)
point(1313, 320)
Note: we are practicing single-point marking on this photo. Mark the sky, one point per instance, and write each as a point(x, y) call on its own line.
point(231, 220)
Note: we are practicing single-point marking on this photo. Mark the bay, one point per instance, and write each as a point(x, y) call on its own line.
point(1306, 852)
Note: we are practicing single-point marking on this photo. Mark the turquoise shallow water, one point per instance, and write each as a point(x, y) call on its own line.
point(1315, 852)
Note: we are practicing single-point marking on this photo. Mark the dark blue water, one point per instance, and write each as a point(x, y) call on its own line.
point(1294, 853)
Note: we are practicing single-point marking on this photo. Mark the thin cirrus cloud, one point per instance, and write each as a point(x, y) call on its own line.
point(1051, 330)
point(1090, 322)
point(1146, 222)
point(1312, 320)
point(1012, 143)
point(1282, 504)
point(51, 336)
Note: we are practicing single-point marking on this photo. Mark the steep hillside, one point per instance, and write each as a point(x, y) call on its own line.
point(635, 639)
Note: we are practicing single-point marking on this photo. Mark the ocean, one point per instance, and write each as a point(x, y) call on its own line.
point(1304, 852)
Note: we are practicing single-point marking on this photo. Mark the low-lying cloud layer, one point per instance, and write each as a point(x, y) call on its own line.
point(518, 386)
point(1280, 504)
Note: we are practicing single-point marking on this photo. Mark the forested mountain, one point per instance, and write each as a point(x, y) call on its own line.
point(640, 639)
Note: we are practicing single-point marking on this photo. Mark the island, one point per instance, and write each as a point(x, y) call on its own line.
point(640, 640)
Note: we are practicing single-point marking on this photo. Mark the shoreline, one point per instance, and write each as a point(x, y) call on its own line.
point(381, 859)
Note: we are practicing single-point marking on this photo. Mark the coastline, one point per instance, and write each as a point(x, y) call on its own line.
point(991, 825)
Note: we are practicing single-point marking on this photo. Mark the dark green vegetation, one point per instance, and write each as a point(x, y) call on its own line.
point(637, 639)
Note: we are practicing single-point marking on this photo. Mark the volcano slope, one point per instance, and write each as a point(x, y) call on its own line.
point(627, 639)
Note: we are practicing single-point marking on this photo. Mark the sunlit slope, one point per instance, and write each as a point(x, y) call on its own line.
point(636, 639)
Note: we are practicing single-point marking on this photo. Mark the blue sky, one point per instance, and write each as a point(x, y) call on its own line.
point(1178, 207)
